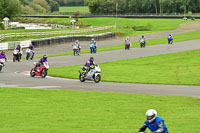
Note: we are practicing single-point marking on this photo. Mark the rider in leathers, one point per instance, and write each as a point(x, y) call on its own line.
point(154, 123)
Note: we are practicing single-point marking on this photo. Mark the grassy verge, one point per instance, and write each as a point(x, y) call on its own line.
point(38, 111)
point(162, 40)
point(177, 68)
point(125, 27)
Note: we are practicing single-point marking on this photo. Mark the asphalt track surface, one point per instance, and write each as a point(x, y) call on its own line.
point(16, 74)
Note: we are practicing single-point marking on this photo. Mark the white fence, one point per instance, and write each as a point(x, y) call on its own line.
point(29, 34)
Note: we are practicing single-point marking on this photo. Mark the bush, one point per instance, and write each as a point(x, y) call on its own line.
point(1, 26)
point(142, 28)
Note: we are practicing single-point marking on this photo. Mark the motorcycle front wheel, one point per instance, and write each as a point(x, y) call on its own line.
point(27, 56)
point(44, 73)
point(81, 78)
point(32, 73)
point(97, 78)
point(0, 67)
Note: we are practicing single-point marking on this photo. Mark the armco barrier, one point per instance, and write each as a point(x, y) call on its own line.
point(55, 40)
point(3, 46)
point(65, 39)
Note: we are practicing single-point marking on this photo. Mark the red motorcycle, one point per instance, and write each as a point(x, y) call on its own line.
point(41, 70)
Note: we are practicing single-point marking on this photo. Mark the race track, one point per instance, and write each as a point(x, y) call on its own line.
point(15, 73)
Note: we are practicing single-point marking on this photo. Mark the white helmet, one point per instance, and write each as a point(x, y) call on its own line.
point(151, 115)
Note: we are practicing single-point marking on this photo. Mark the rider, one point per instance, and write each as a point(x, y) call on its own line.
point(170, 38)
point(127, 43)
point(31, 47)
point(41, 62)
point(154, 123)
point(77, 44)
point(93, 42)
point(142, 41)
point(89, 63)
point(19, 50)
point(3, 55)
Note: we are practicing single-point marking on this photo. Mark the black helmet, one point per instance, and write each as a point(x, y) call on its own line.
point(45, 56)
point(2, 52)
point(91, 58)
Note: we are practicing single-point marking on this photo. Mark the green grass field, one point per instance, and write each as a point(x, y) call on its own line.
point(81, 9)
point(61, 111)
point(128, 26)
point(177, 68)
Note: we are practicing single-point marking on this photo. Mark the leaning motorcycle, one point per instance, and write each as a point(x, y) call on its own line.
point(93, 74)
point(2, 63)
point(29, 54)
point(17, 55)
point(41, 70)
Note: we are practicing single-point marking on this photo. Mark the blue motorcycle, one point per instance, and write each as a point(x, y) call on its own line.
point(92, 48)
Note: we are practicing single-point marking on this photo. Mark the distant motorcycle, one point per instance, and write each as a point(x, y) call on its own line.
point(41, 70)
point(29, 54)
point(170, 40)
point(2, 63)
point(76, 50)
point(92, 48)
point(93, 74)
point(17, 55)
point(142, 43)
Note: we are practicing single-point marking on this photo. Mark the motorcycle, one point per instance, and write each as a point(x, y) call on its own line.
point(29, 54)
point(76, 50)
point(92, 48)
point(142, 43)
point(2, 63)
point(127, 46)
point(17, 55)
point(170, 40)
point(93, 74)
point(41, 70)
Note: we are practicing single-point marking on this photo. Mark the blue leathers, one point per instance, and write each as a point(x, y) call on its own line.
point(155, 125)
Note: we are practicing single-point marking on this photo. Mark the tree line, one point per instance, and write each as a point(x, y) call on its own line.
point(46, 6)
point(143, 6)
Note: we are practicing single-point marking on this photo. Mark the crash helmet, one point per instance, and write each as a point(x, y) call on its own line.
point(76, 41)
point(45, 57)
point(91, 59)
point(2, 52)
point(151, 115)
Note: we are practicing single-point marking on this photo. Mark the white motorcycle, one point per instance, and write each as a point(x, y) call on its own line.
point(2, 63)
point(29, 54)
point(17, 55)
point(76, 50)
point(93, 74)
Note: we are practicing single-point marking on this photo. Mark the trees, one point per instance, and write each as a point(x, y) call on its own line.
point(9, 8)
point(143, 6)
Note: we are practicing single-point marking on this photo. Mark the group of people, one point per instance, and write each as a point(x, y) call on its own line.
point(142, 41)
point(77, 46)
point(155, 123)
point(128, 44)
